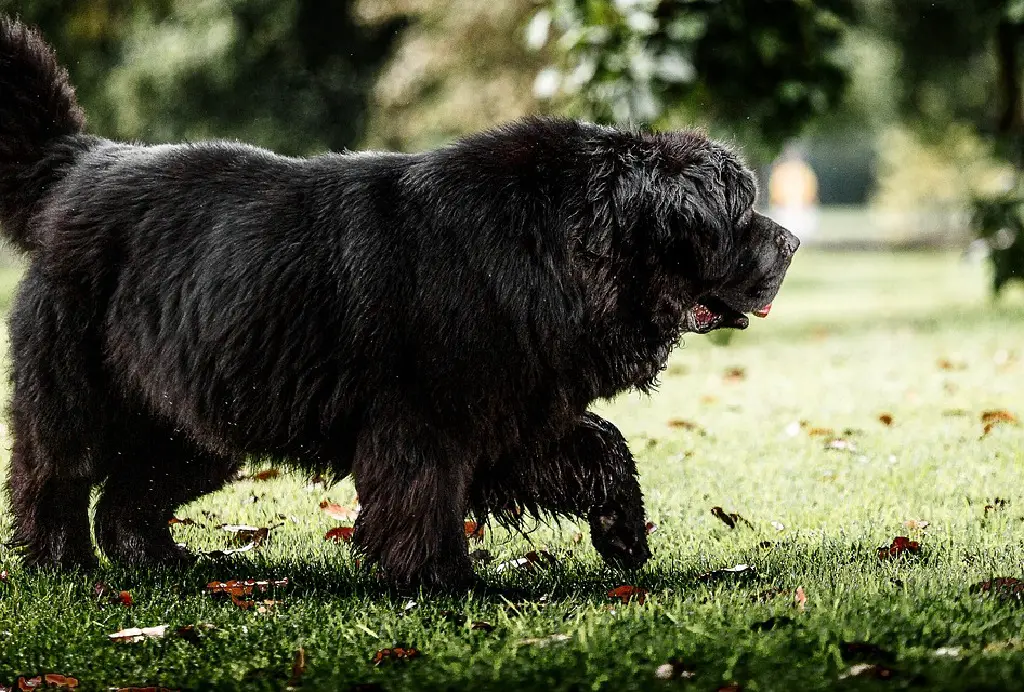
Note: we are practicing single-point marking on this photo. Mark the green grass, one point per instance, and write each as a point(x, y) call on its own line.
point(850, 337)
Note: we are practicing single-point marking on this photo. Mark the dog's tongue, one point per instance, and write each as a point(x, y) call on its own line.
point(763, 312)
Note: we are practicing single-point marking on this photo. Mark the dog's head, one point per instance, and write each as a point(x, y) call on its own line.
point(703, 257)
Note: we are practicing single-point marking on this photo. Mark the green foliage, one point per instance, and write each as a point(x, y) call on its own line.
point(292, 75)
point(763, 68)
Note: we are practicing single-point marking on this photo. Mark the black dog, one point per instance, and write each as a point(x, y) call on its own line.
point(435, 324)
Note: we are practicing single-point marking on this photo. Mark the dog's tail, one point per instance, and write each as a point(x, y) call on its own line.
point(38, 110)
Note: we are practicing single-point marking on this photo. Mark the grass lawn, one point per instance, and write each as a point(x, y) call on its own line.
point(747, 428)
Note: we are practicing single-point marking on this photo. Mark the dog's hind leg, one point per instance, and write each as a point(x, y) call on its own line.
point(153, 471)
point(56, 427)
point(589, 474)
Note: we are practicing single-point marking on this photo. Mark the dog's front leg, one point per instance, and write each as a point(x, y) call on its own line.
point(412, 495)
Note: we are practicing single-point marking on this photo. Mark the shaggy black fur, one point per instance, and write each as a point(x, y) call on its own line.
point(436, 324)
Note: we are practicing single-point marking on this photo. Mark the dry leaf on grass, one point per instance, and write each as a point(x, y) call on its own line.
point(627, 593)
point(338, 512)
point(821, 432)
point(650, 527)
point(137, 634)
point(991, 419)
point(735, 374)
point(1009, 589)
point(265, 475)
point(727, 572)
point(730, 519)
point(682, 424)
point(533, 560)
point(948, 364)
point(901, 546)
point(340, 534)
point(473, 531)
point(398, 653)
point(184, 522)
point(240, 592)
point(885, 419)
point(105, 596)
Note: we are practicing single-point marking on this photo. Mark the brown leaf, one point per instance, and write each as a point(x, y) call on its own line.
point(184, 522)
point(731, 519)
point(916, 524)
point(243, 587)
point(55, 680)
point(800, 599)
point(266, 475)
point(4, 576)
point(337, 512)
point(821, 432)
point(735, 374)
point(992, 419)
point(298, 668)
point(627, 593)
point(885, 419)
point(901, 546)
point(947, 364)
point(397, 653)
point(650, 527)
point(682, 424)
point(340, 534)
point(473, 531)
point(1003, 588)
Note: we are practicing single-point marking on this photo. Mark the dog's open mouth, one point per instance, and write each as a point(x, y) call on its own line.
point(711, 314)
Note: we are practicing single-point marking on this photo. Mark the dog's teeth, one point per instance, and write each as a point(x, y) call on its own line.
point(763, 312)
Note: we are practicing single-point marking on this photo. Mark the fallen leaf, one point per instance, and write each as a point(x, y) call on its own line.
point(999, 416)
point(298, 668)
point(868, 670)
point(732, 520)
point(245, 535)
point(4, 576)
point(55, 680)
point(137, 634)
point(30, 683)
point(821, 432)
point(650, 527)
point(337, 512)
point(916, 524)
point(577, 538)
point(947, 364)
point(737, 570)
point(800, 599)
point(340, 534)
point(397, 653)
point(901, 546)
point(243, 587)
point(184, 522)
point(535, 559)
point(473, 531)
point(1003, 588)
point(682, 424)
point(627, 593)
point(104, 596)
point(735, 374)
point(885, 419)
point(673, 670)
point(266, 475)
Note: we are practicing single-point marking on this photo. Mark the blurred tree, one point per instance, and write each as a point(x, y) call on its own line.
point(962, 66)
point(293, 75)
point(759, 70)
point(461, 66)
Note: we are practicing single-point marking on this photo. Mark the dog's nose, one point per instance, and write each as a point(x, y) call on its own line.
point(789, 241)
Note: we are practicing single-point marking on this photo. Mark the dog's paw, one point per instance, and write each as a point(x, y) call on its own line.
point(620, 537)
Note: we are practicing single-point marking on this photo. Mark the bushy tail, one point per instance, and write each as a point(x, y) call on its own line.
point(37, 110)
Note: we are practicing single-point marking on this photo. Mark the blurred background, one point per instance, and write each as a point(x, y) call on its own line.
point(873, 124)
